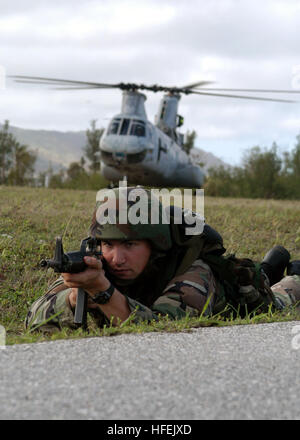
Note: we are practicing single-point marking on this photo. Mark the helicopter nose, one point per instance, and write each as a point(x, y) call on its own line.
point(122, 158)
point(127, 151)
point(122, 144)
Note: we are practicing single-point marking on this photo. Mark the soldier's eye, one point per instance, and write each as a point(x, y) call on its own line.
point(129, 244)
point(106, 244)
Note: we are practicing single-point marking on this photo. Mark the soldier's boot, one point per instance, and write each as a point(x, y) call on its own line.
point(275, 262)
point(293, 268)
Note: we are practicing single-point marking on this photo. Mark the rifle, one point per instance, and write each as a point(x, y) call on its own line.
point(72, 262)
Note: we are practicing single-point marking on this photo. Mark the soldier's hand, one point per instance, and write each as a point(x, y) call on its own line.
point(73, 299)
point(92, 280)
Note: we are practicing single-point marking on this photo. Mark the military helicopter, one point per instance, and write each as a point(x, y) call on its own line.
point(132, 147)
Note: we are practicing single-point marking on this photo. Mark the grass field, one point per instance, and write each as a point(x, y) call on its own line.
point(31, 218)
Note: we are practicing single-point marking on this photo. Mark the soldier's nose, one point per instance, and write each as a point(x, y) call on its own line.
point(118, 257)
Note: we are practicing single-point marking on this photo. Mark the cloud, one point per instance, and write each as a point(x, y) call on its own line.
point(247, 44)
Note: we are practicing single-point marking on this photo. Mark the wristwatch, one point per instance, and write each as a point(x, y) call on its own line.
point(104, 296)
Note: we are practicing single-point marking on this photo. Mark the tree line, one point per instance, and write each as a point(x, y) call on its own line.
point(17, 164)
point(264, 173)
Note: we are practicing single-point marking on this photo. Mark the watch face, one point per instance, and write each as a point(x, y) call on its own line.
point(104, 297)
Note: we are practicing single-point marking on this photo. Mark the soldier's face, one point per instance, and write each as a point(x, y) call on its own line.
point(126, 259)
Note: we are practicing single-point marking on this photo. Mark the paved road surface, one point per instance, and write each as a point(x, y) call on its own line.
point(238, 372)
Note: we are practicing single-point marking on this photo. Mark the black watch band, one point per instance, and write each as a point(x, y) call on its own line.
point(104, 297)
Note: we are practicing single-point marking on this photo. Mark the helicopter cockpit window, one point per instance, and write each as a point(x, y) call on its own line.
point(114, 126)
point(137, 128)
point(124, 126)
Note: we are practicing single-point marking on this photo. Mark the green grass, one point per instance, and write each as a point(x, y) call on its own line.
point(31, 218)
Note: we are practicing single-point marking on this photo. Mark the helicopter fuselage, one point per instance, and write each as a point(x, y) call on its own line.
point(134, 148)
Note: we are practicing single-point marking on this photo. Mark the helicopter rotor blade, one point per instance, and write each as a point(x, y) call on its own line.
point(249, 90)
point(198, 84)
point(80, 88)
point(63, 88)
point(243, 97)
point(192, 88)
point(74, 83)
point(122, 86)
point(53, 81)
point(32, 82)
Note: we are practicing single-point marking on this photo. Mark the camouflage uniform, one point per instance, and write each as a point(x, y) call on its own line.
point(162, 289)
point(287, 291)
point(184, 294)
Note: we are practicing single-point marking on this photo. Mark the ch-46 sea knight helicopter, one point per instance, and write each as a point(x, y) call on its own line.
point(132, 147)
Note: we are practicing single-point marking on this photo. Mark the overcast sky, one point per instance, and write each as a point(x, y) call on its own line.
point(237, 43)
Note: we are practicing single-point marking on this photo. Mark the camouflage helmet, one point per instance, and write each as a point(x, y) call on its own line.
point(130, 214)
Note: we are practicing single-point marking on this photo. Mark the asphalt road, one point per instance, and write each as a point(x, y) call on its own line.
point(238, 372)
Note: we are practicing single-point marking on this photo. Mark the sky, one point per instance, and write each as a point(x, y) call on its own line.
point(235, 43)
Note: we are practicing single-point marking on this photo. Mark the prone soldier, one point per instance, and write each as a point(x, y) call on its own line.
point(151, 270)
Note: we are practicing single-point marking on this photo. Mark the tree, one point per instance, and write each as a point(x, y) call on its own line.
point(262, 170)
point(189, 141)
point(292, 160)
point(92, 148)
point(56, 180)
point(225, 182)
point(7, 143)
point(291, 171)
point(16, 162)
point(75, 171)
point(22, 169)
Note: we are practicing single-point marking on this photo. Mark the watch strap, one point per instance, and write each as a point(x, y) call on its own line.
point(104, 296)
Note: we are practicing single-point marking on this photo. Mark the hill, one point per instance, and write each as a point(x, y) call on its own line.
point(209, 160)
point(55, 148)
